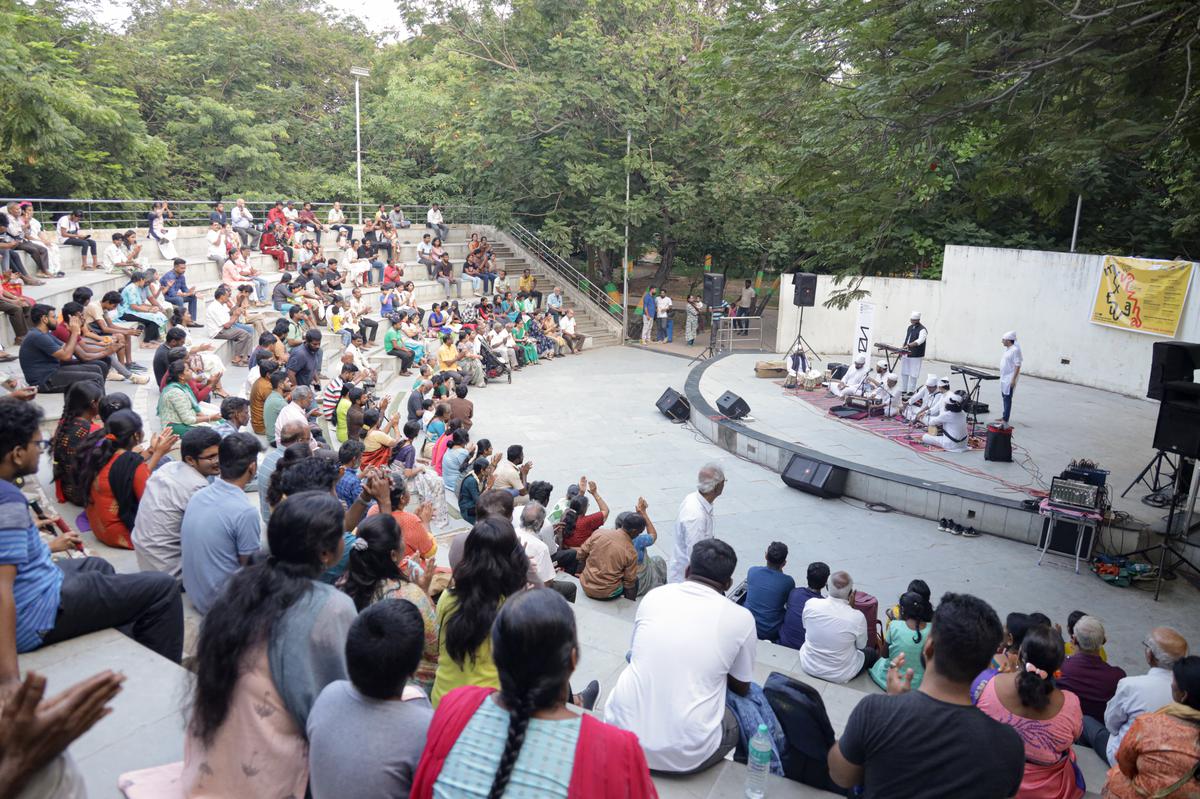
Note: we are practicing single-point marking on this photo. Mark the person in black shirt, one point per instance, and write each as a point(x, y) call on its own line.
point(175, 338)
point(932, 743)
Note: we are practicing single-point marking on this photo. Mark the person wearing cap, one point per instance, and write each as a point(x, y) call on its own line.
point(888, 394)
point(922, 398)
point(852, 381)
point(953, 422)
point(914, 353)
point(1010, 370)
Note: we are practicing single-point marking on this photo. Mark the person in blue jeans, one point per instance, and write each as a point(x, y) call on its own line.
point(767, 590)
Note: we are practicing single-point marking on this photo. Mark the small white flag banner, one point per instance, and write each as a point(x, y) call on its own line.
point(864, 330)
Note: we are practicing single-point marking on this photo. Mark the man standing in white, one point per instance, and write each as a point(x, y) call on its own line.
point(1010, 370)
point(914, 353)
point(690, 644)
point(694, 522)
point(835, 634)
point(1143, 693)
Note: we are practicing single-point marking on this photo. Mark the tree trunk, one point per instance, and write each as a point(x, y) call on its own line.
point(606, 266)
point(667, 259)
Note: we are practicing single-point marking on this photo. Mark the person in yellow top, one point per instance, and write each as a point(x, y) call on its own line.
point(447, 356)
point(493, 566)
point(528, 285)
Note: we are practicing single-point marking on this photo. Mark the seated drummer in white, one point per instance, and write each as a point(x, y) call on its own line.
point(888, 394)
point(796, 360)
point(921, 398)
point(852, 381)
point(954, 427)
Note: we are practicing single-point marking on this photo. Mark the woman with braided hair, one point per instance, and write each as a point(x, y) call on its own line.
point(523, 741)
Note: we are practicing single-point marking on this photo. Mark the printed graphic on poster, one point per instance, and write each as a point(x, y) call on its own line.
point(1142, 295)
point(864, 330)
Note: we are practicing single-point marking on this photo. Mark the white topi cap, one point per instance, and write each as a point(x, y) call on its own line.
point(891, 377)
point(931, 381)
point(860, 359)
point(916, 316)
point(881, 364)
point(944, 382)
point(1010, 336)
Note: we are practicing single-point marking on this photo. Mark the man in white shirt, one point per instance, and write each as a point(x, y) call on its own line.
point(690, 644)
point(835, 634)
point(851, 382)
point(425, 255)
point(243, 225)
point(922, 398)
point(503, 346)
point(511, 472)
point(1010, 370)
point(296, 411)
point(117, 258)
point(1135, 696)
point(156, 530)
point(694, 522)
point(745, 306)
point(221, 322)
point(531, 518)
point(666, 325)
point(291, 214)
point(953, 421)
point(914, 352)
point(566, 326)
point(433, 219)
point(554, 304)
point(71, 235)
point(218, 248)
point(888, 393)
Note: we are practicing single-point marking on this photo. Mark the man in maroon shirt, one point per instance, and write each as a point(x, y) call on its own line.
point(1085, 673)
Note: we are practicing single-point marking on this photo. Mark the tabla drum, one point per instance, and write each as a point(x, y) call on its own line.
point(934, 430)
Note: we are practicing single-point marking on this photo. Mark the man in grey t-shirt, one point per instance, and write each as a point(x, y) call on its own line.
point(369, 732)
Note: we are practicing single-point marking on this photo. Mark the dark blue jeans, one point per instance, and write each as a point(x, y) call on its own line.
point(1006, 399)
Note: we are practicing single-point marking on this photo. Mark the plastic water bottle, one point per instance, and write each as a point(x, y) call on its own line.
point(758, 764)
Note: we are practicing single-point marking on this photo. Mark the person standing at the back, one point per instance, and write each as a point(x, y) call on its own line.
point(694, 521)
point(745, 306)
point(649, 313)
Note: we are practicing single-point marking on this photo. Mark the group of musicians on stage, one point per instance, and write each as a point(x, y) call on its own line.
point(943, 411)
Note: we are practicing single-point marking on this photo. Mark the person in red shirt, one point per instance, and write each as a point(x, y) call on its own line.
point(309, 221)
point(276, 216)
point(577, 523)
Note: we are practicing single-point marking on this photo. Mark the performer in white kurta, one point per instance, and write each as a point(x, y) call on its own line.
point(852, 381)
point(914, 357)
point(1010, 370)
point(921, 398)
point(954, 427)
point(889, 394)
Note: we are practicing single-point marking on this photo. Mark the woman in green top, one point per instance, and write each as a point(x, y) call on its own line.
point(905, 635)
point(493, 567)
point(350, 395)
point(178, 407)
point(523, 343)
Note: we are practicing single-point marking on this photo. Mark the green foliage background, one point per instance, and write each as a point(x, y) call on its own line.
point(833, 136)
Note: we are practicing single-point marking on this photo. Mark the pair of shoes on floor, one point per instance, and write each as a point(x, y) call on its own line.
point(949, 526)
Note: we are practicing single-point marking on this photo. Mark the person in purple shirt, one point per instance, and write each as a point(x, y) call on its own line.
point(792, 632)
point(767, 591)
point(1085, 673)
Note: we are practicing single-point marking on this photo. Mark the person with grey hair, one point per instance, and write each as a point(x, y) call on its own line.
point(694, 522)
point(1085, 673)
point(295, 411)
point(541, 568)
point(1135, 696)
point(502, 344)
point(835, 634)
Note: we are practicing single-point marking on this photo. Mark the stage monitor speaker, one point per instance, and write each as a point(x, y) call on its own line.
point(731, 405)
point(1178, 427)
point(1172, 361)
point(814, 477)
point(805, 286)
point(714, 289)
point(1063, 535)
point(674, 405)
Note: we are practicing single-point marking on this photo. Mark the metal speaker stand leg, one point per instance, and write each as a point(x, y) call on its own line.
point(1157, 475)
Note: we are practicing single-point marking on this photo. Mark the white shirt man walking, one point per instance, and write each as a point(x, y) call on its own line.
point(695, 519)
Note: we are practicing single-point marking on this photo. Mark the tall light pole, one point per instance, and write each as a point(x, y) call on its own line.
point(625, 258)
point(358, 72)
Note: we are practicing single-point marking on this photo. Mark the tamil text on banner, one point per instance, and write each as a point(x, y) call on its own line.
point(864, 330)
point(1142, 295)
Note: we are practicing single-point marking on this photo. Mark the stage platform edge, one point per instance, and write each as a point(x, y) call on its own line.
point(988, 513)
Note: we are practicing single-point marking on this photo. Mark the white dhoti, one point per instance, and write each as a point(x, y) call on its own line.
point(845, 390)
point(945, 442)
point(910, 373)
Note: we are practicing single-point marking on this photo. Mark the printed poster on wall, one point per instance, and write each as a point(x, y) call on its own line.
point(864, 330)
point(1142, 295)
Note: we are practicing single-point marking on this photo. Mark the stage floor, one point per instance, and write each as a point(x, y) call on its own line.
point(1053, 422)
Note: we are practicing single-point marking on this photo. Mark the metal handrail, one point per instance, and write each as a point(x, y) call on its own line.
point(131, 213)
point(556, 263)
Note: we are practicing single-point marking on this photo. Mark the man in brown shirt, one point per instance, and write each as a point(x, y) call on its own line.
point(461, 408)
point(609, 561)
point(259, 393)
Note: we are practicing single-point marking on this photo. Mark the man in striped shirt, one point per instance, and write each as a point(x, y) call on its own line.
point(333, 389)
point(43, 602)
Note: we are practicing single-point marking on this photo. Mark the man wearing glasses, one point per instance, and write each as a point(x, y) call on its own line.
point(43, 602)
point(156, 530)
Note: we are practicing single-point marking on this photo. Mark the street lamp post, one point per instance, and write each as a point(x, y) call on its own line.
point(625, 258)
point(358, 72)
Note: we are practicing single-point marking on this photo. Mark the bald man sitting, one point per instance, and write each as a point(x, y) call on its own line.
point(1144, 693)
point(835, 634)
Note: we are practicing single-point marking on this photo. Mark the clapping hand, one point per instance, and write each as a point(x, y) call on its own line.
point(899, 679)
point(641, 506)
point(525, 467)
point(377, 484)
point(591, 487)
point(496, 459)
point(163, 441)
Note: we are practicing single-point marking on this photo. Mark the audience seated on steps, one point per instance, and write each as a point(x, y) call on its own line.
point(47, 362)
point(81, 407)
point(835, 634)
point(931, 741)
point(690, 645)
point(767, 591)
point(53, 602)
point(614, 563)
point(1085, 673)
point(904, 636)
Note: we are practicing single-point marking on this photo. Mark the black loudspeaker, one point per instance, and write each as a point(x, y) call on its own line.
point(714, 289)
point(805, 285)
point(1063, 535)
point(1172, 361)
point(1178, 427)
point(815, 477)
point(731, 405)
point(999, 444)
point(674, 405)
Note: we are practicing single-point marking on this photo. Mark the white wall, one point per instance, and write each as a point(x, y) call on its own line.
point(1046, 297)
